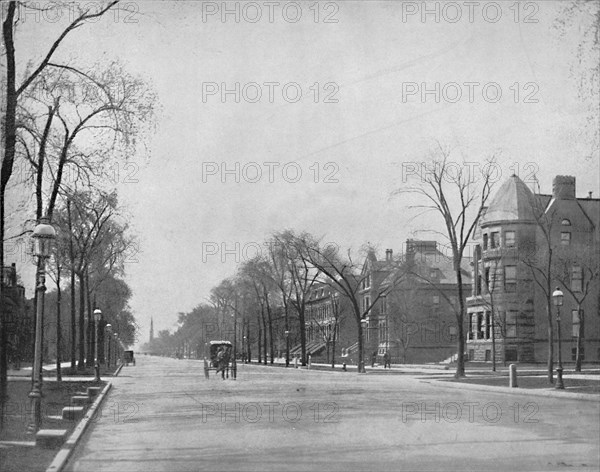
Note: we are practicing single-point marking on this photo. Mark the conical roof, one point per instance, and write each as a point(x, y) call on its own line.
point(513, 201)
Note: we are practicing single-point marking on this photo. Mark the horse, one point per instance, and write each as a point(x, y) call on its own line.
point(222, 361)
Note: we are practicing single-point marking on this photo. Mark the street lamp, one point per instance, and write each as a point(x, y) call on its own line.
point(116, 336)
point(361, 361)
point(97, 318)
point(557, 296)
point(245, 350)
point(287, 348)
point(108, 329)
point(234, 361)
point(43, 235)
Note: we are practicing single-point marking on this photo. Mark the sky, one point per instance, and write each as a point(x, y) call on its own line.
point(336, 109)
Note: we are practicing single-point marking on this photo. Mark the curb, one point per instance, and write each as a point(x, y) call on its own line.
point(65, 452)
point(514, 391)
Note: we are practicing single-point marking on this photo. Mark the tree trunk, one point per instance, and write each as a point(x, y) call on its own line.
point(58, 321)
point(7, 161)
point(271, 338)
point(82, 327)
point(259, 357)
point(249, 350)
point(302, 323)
point(550, 343)
point(580, 337)
point(91, 328)
point(73, 309)
point(333, 347)
point(287, 337)
point(460, 355)
point(265, 340)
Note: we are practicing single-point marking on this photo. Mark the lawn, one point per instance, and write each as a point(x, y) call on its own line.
point(534, 382)
point(16, 417)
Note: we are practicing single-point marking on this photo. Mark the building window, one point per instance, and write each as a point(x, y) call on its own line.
point(487, 279)
point(511, 324)
point(488, 355)
point(509, 238)
point(478, 287)
point(575, 318)
point(510, 278)
point(565, 238)
point(383, 305)
point(577, 279)
point(383, 334)
point(565, 222)
point(471, 354)
point(479, 325)
point(471, 325)
point(485, 241)
point(366, 304)
point(495, 242)
point(488, 324)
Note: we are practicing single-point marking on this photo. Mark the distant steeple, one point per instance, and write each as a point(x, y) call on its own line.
point(151, 329)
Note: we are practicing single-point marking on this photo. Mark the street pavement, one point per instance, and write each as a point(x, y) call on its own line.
point(163, 415)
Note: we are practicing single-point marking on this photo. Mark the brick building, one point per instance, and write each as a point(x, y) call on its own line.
point(414, 315)
point(520, 236)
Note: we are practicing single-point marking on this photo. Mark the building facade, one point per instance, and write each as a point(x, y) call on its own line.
point(414, 318)
point(527, 245)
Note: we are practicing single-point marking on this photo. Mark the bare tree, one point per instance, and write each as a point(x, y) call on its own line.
point(12, 94)
point(539, 258)
point(450, 191)
point(578, 273)
point(301, 276)
point(343, 274)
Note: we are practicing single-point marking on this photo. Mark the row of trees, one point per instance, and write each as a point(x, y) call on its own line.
point(66, 123)
point(269, 293)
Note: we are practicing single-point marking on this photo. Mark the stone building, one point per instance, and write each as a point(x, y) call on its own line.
point(414, 319)
point(526, 245)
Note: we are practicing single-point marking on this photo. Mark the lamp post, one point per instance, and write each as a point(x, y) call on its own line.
point(116, 336)
point(108, 329)
point(97, 318)
point(361, 361)
point(245, 350)
point(557, 296)
point(287, 348)
point(43, 235)
point(234, 361)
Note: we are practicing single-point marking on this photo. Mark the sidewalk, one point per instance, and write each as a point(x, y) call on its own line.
point(483, 379)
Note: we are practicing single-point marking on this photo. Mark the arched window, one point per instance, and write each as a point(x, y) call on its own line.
point(565, 222)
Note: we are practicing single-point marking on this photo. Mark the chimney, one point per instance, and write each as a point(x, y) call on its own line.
point(563, 187)
point(388, 254)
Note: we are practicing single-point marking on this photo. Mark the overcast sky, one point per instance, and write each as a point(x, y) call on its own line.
point(367, 123)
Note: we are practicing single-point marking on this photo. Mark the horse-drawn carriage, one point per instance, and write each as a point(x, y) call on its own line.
point(219, 356)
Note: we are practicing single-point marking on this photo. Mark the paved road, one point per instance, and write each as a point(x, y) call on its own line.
point(162, 415)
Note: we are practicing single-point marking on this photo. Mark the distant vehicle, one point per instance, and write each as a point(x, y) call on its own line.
point(219, 356)
point(129, 359)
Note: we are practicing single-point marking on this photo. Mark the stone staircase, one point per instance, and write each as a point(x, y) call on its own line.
point(54, 438)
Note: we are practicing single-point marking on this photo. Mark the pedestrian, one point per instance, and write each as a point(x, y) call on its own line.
point(387, 360)
point(373, 358)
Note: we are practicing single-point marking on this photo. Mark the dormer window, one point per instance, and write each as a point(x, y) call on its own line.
point(565, 222)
